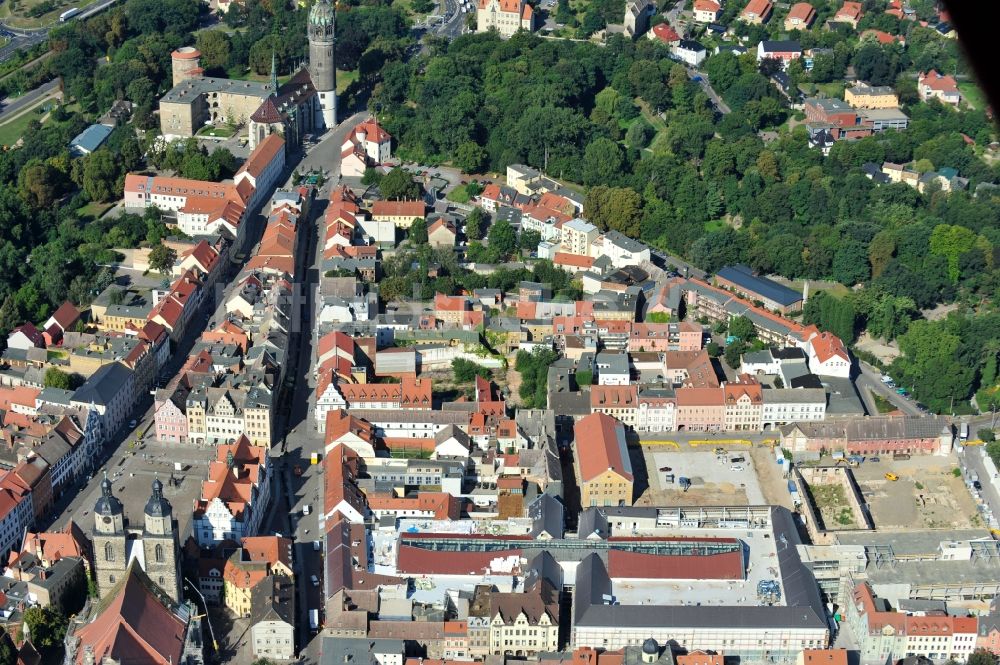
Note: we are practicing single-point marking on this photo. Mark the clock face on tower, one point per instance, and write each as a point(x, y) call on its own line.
point(106, 519)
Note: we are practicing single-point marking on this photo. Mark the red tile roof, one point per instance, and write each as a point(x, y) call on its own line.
point(707, 6)
point(412, 209)
point(851, 11)
point(372, 130)
point(66, 315)
point(758, 8)
point(936, 81)
point(614, 397)
point(134, 627)
point(802, 11)
point(340, 423)
point(418, 561)
point(574, 260)
point(600, 446)
point(638, 565)
point(700, 397)
point(824, 656)
point(665, 33)
point(262, 156)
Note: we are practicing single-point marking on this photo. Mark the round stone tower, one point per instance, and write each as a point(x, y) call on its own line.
point(185, 63)
point(322, 66)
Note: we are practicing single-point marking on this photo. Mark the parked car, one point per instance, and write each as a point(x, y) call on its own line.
point(873, 459)
point(132, 424)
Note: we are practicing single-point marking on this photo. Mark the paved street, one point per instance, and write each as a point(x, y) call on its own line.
point(871, 379)
point(26, 38)
point(11, 107)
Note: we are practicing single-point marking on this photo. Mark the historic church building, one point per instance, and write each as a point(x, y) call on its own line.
point(305, 103)
point(154, 546)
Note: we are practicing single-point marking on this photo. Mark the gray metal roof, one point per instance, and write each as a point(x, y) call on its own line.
point(91, 138)
point(743, 277)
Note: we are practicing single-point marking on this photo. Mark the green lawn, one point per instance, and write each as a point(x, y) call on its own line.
point(345, 78)
point(882, 404)
point(834, 89)
point(221, 131)
point(459, 195)
point(13, 130)
point(93, 210)
point(715, 225)
point(972, 94)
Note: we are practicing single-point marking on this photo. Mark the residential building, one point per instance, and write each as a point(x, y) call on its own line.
point(757, 11)
point(744, 405)
point(932, 85)
point(111, 392)
point(505, 16)
point(707, 11)
point(526, 622)
point(800, 17)
point(792, 405)
point(784, 51)
point(400, 213)
point(665, 34)
point(235, 495)
point(656, 410)
point(874, 435)
point(701, 409)
point(367, 147)
point(621, 250)
point(864, 96)
point(272, 618)
point(442, 233)
point(619, 402)
point(828, 356)
point(601, 462)
point(689, 52)
point(849, 13)
point(577, 236)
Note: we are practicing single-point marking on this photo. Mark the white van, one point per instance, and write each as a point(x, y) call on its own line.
point(314, 580)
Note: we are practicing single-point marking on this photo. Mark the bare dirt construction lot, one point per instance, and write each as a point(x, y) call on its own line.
point(714, 482)
point(926, 496)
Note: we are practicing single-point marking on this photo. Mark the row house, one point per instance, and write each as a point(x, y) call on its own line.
point(422, 505)
point(207, 258)
point(235, 495)
point(791, 405)
point(240, 406)
point(112, 392)
point(656, 410)
point(175, 307)
point(201, 208)
point(701, 409)
point(682, 336)
point(343, 429)
point(744, 405)
point(885, 634)
point(619, 402)
point(601, 461)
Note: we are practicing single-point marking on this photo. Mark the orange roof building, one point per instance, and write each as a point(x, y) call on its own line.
point(235, 494)
point(800, 16)
point(601, 462)
point(757, 11)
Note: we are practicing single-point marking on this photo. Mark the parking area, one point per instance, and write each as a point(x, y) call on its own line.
point(927, 494)
point(726, 478)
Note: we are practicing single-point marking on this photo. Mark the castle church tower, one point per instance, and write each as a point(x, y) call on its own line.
point(322, 66)
point(110, 554)
point(159, 544)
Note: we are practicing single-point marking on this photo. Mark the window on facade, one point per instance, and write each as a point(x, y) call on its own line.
point(109, 552)
point(159, 555)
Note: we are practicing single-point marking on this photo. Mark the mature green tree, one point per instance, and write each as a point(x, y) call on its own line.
point(214, 48)
point(466, 371)
point(470, 157)
point(56, 378)
point(614, 208)
point(474, 223)
point(48, 627)
point(850, 263)
point(951, 242)
point(162, 258)
point(502, 240)
point(100, 175)
point(836, 315)
point(398, 184)
point(931, 366)
point(417, 233)
point(603, 162)
point(742, 328)
point(39, 184)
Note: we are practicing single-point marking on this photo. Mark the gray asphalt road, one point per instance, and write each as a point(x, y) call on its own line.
point(10, 107)
point(871, 379)
point(22, 39)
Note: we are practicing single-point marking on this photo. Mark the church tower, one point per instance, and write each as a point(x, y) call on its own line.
point(110, 553)
point(159, 543)
point(322, 66)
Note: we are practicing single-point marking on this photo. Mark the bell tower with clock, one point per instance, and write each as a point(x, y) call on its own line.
point(110, 552)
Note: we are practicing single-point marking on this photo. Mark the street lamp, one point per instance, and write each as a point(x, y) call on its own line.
point(193, 587)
